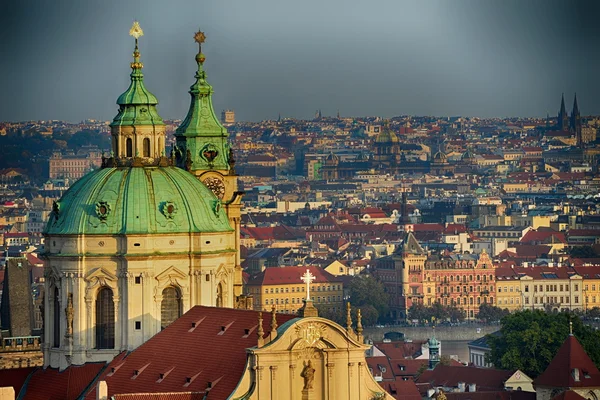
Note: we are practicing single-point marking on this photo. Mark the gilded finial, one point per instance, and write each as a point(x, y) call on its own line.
point(359, 327)
point(571, 328)
point(348, 318)
point(137, 32)
point(200, 37)
point(260, 332)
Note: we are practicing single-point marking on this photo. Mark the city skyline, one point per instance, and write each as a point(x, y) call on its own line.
point(484, 59)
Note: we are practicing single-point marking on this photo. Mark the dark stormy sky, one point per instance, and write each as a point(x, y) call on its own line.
point(69, 59)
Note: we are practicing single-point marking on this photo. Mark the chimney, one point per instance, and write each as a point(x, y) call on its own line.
point(576, 374)
point(102, 391)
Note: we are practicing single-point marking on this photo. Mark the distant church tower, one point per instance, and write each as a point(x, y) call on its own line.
point(563, 118)
point(575, 122)
point(203, 148)
point(434, 351)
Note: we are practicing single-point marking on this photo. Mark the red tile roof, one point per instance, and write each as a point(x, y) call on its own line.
point(291, 275)
point(182, 351)
point(160, 396)
point(428, 228)
point(380, 366)
point(568, 395)
point(486, 379)
point(401, 389)
point(500, 395)
point(546, 237)
point(52, 384)
point(400, 350)
point(15, 378)
point(570, 357)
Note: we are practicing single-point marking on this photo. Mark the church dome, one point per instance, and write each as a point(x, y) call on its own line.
point(137, 200)
point(386, 136)
point(468, 155)
point(332, 157)
point(440, 156)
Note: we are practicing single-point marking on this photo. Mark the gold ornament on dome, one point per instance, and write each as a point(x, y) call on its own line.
point(199, 37)
point(216, 186)
point(136, 31)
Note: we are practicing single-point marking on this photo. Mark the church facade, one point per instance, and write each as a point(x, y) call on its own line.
point(132, 246)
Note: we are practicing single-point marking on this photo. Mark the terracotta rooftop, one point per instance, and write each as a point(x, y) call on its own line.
point(486, 379)
point(207, 345)
point(15, 378)
point(52, 384)
point(500, 395)
point(291, 275)
point(570, 367)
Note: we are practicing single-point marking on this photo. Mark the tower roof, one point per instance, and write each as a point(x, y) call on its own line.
point(410, 245)
point(575, 106)
point(570, 367)
point(201, 119)
point(563, 109)
point(137, 106)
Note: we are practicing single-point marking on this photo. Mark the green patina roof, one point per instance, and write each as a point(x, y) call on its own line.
point(149, 200)
point(201, 132)
point(137, 106)
point(201, 119)
point(386, 136)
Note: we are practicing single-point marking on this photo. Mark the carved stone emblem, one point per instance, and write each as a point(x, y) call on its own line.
point(311, 334)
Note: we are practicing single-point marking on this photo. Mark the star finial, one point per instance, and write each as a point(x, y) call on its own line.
point(199, 37)
point(136, 31)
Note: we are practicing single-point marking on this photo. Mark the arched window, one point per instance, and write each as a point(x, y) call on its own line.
point(105, 319)
point(146, 147)
point(170, 307)
point(56, 319)
point(129, 147)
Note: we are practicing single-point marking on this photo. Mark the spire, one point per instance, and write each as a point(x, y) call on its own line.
point(563, 120)
point(137, 94)
point(137, 108)
point(575, 107)
point(563, 109)
point(201, 132)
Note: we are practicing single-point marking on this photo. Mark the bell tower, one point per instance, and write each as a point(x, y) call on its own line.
point(202, 148)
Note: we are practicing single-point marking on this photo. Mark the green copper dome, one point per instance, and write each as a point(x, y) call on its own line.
point(149, 200)
point(386, 136)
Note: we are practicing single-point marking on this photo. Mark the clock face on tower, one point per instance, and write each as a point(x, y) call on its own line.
point(216, 185)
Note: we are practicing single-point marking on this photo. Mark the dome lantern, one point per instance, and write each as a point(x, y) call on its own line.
point(138, 132)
